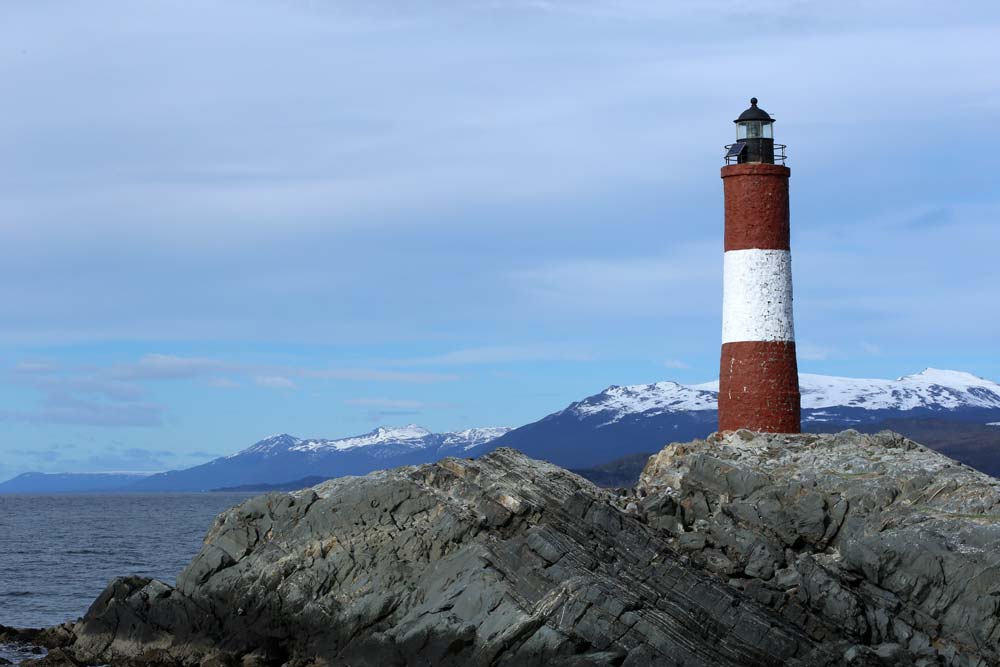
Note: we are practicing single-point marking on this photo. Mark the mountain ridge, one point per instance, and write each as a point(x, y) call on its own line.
point(281, 458)
point(620, 421)
point(623, 420)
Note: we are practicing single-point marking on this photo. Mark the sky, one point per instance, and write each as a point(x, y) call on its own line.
point(223, 220)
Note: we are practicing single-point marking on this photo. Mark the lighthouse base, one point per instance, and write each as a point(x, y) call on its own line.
point(759, 387)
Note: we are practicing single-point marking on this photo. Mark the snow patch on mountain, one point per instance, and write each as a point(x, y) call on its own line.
point(275, 443)
point(931, 388)
point(652, 399)
point(472, 437)
point(410, 436)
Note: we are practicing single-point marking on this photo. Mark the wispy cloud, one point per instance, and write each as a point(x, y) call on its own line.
point(169, 367)
point(274, 382)
point(808, 351)
point(222, 383)
point(118, 395)
point(671, 283)
point(501, 354)
point(378, 410)
point(65, 409)
point(870, 348)
point(388, 403)
point(395, 403)
point(110, 458)
point(374, 375)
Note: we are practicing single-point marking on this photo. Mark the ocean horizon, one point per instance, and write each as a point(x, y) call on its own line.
point(59, 551)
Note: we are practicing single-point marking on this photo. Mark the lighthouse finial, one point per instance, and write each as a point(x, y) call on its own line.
point(753, 101)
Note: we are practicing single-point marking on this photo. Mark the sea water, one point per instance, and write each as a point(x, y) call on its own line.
point(58, 552)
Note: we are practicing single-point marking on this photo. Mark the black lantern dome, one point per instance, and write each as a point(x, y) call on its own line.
point(754, 137)
point(754, 113)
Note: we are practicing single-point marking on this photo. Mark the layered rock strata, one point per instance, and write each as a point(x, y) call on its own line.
point(872, 539)
point(740, 550)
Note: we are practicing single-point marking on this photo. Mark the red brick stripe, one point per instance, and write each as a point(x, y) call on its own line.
point(759, 387)
point(756, 206)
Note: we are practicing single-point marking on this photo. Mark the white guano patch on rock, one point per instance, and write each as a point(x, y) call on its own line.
point(757, 296)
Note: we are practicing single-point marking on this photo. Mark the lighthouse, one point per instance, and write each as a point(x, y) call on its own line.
point(758, 376)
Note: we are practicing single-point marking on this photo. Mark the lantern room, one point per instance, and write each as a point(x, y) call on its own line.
point(755, 138)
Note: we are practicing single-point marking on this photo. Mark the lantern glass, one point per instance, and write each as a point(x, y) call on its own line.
point(754, 129)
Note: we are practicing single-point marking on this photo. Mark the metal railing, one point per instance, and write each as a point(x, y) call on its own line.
point(779, 154)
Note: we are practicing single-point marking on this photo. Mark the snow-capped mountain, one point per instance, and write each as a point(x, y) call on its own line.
point(616, 403)
point(409, 437)
point(470, 438)
point(641, 418)
point(284, 458)
point(932, 389)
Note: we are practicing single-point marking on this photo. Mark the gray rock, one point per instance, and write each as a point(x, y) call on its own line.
point(500, 561)
point(887, 545)
point(742, 550)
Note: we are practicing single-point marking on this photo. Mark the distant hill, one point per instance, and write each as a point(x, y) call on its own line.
point(282, 459)
point(623, 472)
point(97, 482)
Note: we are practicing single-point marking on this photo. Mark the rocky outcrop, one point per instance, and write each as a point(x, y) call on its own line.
point(872, 539)
point(741, 550)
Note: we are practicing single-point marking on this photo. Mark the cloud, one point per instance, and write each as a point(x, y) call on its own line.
point(470, 186)
point(168, 367)
point(63, 409)
point(115, 395)
point(636, 286)
point(273, 382)
point(385, 403)
point(112, 458)
point(501, 354)
point(375, 375)
point(53, 378)
point(379, 410)
point(395, 404)
point(46, 455)
point(675, 364)
point(870, 348)
point(82, 395)
point(223, 383)
point(380, 416)
point(34, 368)
point(807, 351)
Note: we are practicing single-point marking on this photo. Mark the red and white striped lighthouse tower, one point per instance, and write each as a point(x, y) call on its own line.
point(758, 377)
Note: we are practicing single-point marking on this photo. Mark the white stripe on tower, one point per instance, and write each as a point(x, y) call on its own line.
point(757, 296)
